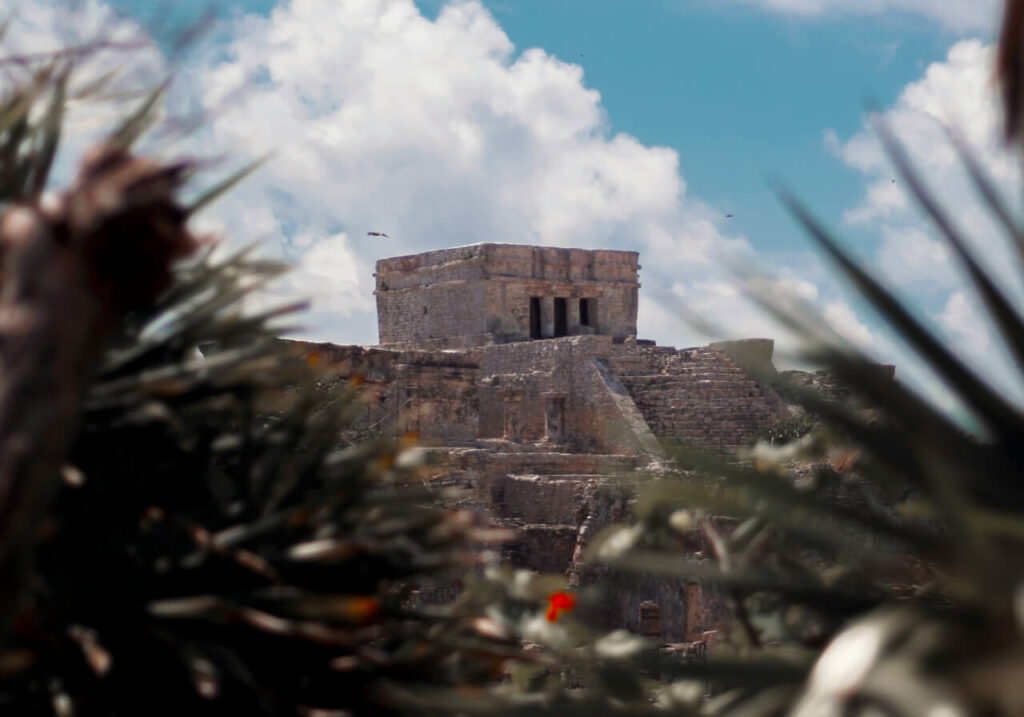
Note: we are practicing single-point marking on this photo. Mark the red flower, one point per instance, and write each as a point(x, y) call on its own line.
point(560, 601)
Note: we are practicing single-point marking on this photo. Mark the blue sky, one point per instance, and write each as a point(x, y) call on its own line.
point(741, 94)
point(636, 125)
point(738, 93)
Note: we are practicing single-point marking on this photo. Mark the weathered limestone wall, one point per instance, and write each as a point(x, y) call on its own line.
point(481, 294)
point(561, 392)
point(489, 260)
point(544, 436)
point(432, 393)
point(514, 378)
point(427, 316)
point(582, 394)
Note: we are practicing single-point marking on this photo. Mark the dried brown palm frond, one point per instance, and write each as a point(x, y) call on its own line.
point(1010, 67)
point(180, 529)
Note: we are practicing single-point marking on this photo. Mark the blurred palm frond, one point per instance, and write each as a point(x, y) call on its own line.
point(886, 547)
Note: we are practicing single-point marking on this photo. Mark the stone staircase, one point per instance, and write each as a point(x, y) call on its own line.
point(698, 395)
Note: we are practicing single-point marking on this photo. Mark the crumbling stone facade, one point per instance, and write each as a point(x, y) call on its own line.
point(499, 293)
point(519, 366)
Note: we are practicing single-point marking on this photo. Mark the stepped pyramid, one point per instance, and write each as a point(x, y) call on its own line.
point(519, 366)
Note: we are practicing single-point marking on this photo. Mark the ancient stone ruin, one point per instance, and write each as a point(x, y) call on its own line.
point(519, 366)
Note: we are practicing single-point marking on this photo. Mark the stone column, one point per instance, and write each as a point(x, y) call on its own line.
point(408, 409)
point(554, 416)
point(511, 400)
point(696, 620)
point(650, 619)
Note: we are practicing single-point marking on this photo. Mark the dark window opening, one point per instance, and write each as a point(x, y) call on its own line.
point(534, 317)
point(584, 312)
point(424, 310)
point(561, 317)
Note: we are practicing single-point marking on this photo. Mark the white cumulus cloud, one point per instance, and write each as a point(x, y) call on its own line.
point(957, 15)
point(844, 322)
point(911, 256)
point(440, 132)
point(110, 47)
point(957, 92)
point(962, 317)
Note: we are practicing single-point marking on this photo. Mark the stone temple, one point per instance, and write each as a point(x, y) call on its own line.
point(502, 293)
point(519, 366)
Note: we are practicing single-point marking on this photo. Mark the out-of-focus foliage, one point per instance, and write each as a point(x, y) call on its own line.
point(1010, 67)
point(875, 566)
point(218, 540)
point(211, 548)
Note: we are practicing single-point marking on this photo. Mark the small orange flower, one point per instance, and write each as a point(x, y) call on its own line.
point(559, 602)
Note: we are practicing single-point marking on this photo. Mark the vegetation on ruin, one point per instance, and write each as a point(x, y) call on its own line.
point(786, 430)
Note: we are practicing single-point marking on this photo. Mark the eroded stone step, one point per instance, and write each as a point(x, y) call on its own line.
point(543, 548)
point(547, 499)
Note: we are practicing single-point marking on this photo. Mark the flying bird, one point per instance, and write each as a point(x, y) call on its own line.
point(729, 216)
point(377, 234)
